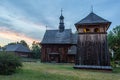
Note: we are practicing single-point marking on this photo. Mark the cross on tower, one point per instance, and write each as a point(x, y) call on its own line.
point(92, 5)
point(61, 11)
point(91, 8)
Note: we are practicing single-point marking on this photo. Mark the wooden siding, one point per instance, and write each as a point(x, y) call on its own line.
point(92, 50)
point(56, 53)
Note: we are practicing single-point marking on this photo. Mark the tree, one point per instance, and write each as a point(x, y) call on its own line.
point(24, 43)
point(114, 41)
point(35, 50)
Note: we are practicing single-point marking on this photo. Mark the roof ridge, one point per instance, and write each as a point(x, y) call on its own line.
point(54, 37)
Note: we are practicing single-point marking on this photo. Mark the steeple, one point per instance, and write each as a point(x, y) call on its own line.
point(61, 24)
point(91, 8)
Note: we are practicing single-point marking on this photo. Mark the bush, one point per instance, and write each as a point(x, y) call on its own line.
point(113, 64)
point(9, 63)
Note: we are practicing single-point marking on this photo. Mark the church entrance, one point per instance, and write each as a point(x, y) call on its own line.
point(54, 58)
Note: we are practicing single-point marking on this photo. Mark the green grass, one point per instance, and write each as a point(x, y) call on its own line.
point(40, 71)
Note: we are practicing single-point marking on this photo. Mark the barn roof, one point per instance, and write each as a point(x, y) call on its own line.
point(17, 48)
point(92, 18)
point(57, 37)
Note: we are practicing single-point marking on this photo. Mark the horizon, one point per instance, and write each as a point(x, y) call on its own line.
point(27, 20)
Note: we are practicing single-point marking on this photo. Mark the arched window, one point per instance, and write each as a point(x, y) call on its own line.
point(96, 30)
point(86, 30)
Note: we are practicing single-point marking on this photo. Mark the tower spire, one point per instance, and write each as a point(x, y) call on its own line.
point(91, 8)
point(61, 24)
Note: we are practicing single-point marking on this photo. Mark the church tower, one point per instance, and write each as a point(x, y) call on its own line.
point(61, 24)
point(92, 51)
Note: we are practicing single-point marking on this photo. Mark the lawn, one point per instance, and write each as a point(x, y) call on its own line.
point(40, 71)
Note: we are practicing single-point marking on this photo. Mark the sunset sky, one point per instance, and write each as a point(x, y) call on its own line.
point(27, 19)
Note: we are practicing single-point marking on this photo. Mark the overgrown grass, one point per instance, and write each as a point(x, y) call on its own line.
point(40, 71)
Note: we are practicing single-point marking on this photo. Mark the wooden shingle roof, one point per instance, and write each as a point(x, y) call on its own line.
point(57, 37)
point(17, 48)
point(92, 18)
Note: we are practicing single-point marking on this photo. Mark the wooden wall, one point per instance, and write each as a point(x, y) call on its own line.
point(92, 50)
point(61, 57)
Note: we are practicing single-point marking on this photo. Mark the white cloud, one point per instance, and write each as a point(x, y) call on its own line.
point(21, 23)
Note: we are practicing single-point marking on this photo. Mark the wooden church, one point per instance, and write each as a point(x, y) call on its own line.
point(88, 48)
point(59, 46)
point(92, 48)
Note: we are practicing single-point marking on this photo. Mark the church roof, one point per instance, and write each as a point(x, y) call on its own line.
point(72, 50)
point(17, 48)
point(74, 38)
point(57, 37)
point(92, 18)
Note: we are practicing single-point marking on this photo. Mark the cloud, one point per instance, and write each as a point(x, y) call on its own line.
point(20, 23)
point(29, 18)
point(5, 33)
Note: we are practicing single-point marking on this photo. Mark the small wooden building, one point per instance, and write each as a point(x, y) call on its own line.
point(59, 45)
point(19, 50)
point(92, 48)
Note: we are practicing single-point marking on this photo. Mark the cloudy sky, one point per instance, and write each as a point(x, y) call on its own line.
point(27, 19)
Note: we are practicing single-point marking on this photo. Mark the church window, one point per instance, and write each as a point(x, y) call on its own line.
point(96, 30)
point(86, 30)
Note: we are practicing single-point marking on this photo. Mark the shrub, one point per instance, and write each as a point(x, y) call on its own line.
point(9, 63)
point(113, 64)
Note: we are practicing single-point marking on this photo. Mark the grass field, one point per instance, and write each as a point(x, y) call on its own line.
point(40, 71)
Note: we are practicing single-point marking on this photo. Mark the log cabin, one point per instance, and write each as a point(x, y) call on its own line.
point(19, 50)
